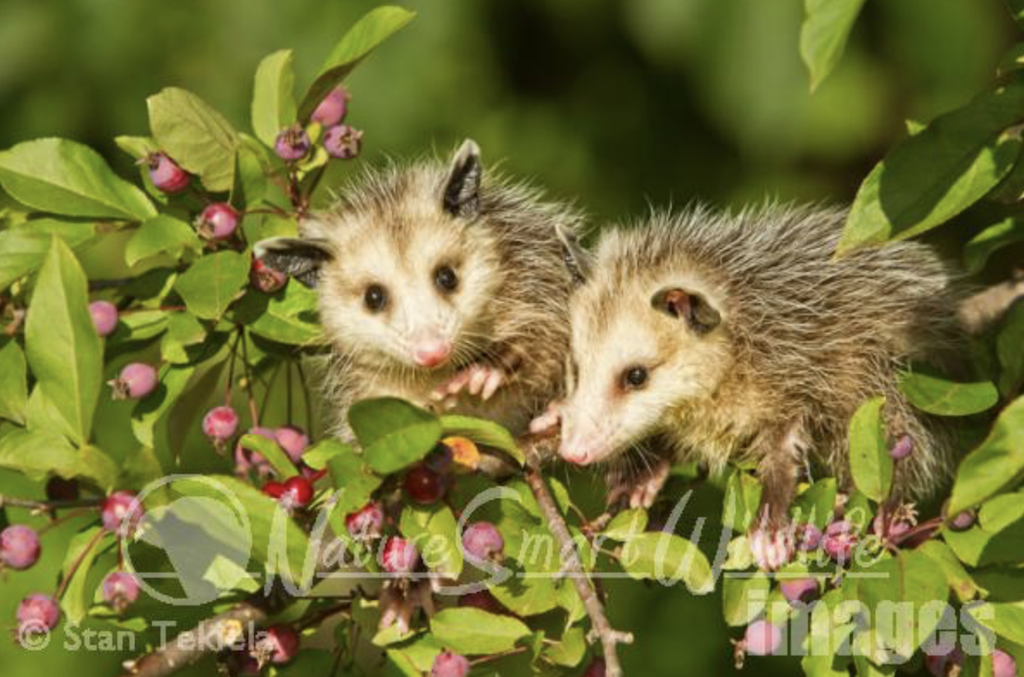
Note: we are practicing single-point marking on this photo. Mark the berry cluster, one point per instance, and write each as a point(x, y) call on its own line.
point(341, 141)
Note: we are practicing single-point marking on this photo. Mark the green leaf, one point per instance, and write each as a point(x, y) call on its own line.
point(65, 177)
point(470, 631)
point(371, 30)
point(744, 598)
point(742, 501)
point(270, 450)
point(289, 316)
point(436, 536)
point(527, 596)
point(1006, 620)
point(23, 249)
point(150, 409)
point(273, 96)
point(667, 558)
point(393, 433)
point(196, 136)
point(161, 235)
point(1008, 348)
point(947, 398)
point(823, 35)
point(348, 473)
point(1016, 8)
point(64, 351)
point(993, 465)
point(957, 578)
point(626, 525)
point(37, 452)
point(870, 463)
point(486, 433)
point(998, 235)
point(816, 504)
point(184, 340)
point(569, 650)
point(82, 551)
point(14, 384)
point(213, 282)
point(934, 175)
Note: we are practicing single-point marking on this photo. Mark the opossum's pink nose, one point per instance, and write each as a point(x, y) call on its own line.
point(577, 452)
point(432, 352)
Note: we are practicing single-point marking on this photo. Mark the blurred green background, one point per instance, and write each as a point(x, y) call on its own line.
point(618, 105)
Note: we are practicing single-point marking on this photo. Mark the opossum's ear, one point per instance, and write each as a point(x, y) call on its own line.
point(700, 315)
point(576, 258)
point(299, 258)
point(462, 189)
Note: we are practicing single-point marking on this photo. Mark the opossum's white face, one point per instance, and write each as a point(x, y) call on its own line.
point(640, 352)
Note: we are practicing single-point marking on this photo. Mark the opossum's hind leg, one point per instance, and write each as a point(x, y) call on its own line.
point(781, 452)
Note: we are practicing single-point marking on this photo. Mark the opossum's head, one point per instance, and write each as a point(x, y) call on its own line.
point(646, 339)
point(404, 266)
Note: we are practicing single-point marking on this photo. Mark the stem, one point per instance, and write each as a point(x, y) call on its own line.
point(47, 506)
point(64, 518)
point(231, 370)
point(254, 411)
point(497, 656)
point(78, 562)
point(305, 398)
point(609, 637)
point(288, 388)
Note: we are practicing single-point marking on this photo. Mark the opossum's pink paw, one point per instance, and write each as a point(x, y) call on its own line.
point(548, 422)
point(478, 379)
point(645, 492)
point(772, 547)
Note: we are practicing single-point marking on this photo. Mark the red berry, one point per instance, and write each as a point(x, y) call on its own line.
point(283, 643)
point(343, 142)
point(399, 556)
point(265, 278)
point(482, 541)
point(1003, 664)
point(839, 540)
point(448, 664)
point(218, 221)
point(120, 590)
point(595, 669)
point(104, 317)
point(220, 423)
point(332, 109)
point(763, 638)
point(298, 492)
point(135, 381)
point(121, 512)
point(273, 489)
point(165, 173)
point(365, 522)
point(292, 440)
point(37, 614)
point(19, 546)
point(424, 485)
point(483, 600)
point(803, 590)
point(292, 143)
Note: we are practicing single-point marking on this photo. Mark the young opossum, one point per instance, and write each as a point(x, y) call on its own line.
point(741, 336)
point(435, 282)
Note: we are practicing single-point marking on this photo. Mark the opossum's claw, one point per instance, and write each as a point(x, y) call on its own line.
point(478, 379)
point(772, 546)
point(548, 422)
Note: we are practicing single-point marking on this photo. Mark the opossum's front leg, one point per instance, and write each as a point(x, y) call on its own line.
point(641, 490)
point(772, 540)
point(480, 378)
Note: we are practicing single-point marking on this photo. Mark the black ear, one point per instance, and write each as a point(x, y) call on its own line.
point(299, 258)
point(700, 315)
point(462, 189)
point(576, 258)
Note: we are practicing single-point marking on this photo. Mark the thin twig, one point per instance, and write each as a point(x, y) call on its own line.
point(47, 506)
point(610, 638)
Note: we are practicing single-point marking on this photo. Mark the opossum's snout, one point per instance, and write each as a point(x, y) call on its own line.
point(582, 445)
point(430, 350)
point(580, 452)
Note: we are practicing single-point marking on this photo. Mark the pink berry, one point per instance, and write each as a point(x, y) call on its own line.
point(448, 664)
point(120, 590)
point(365, 522)
point(135, 381)
point(962, 521)
point(298, 492)
point(218, 221)
point(399, 556)
point(283, 643)
point(595, 669)
point(423, 485)
point(482, 541)
point(343, 142)
point(265, 278)
point(292, 143)
point(121, 512)
point(810, 538)
point(891, 529)
point(941, 660)
point(165, 173)
point(839, 541)
point(246, 459)
point(903, 447)
point(104, 317)
point(1003, 664)
point(763, 638)
point(332, 109)
point(802, 590)
point(37, 614)
point(292, 440)
point(220, 423)
point(19, 546)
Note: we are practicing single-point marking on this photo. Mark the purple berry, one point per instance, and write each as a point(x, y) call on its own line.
point(810, 538)
point(120, 590)
point(941, 660)
point(839, 541)
point(19, 546)
point(332, 109)
point(60, 489)
point(903, 447)
point(282, 642)
point(292, 143)
point(483, 600)
point(104, 317)
point(596, 668)
point(763, 638)
point(482, 541)
point(440, 459)
point(423, 485)
point(365, 522)
point(343, 142)
point(448, 664)
point(799, 590)
point(165, 174)
point(220, 423)
point(962, 521)
point(292, 440)
point(399, 556)
point(265, 278)
point(121, 512)
point(135, 381)
point(218, 221)
point(1003, 664)
point(37, 614)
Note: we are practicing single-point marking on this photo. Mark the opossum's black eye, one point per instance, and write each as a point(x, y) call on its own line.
point(446, 279)
point(375, 297)
point(634, 378)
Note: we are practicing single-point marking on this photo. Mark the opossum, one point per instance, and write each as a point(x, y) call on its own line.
point(742, 337)
point(439, 286)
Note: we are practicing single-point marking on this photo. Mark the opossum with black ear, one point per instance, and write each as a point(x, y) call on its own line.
point(742, 337)
point(441, 285)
